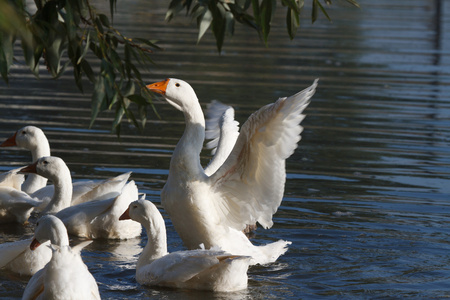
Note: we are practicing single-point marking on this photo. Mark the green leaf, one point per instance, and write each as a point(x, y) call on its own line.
point(104, 19)
point(87, 70)
point(32, 52)
point(97, 99)
point(354, 3)
point(218, 23)
point(98, 25)
point(204, 21)
point(150, 43)
point(317, 5)
point(175, 7)
point(295, 5)
point(256, 12)
point(138, 99)
point(86, 47)
point(292, 22)
point(267, 11)
point(120, 111)
point(6, 54)
point(112, 7)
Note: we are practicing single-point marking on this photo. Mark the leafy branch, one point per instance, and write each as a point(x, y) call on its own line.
point(62, 33)
point(221, 15)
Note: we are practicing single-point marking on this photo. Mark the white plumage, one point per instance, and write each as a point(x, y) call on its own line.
point(33, 139)
point(213, 270)
point(95, 218)
point(65, 276)
point(213, 208)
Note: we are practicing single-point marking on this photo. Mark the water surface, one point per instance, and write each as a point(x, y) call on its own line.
point(367, 194)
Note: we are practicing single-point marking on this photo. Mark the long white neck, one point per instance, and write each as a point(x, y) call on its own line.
point(59, 236)
point(157, 241)
point(34, 181)
point(41, 149)
point(63, 192)
point(187, 151)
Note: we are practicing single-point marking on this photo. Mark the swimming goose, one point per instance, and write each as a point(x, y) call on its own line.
point(97, 218)
point(247, 188)
point(213, 270)
point(65, 276)
point(33, 139)
point(55, 169)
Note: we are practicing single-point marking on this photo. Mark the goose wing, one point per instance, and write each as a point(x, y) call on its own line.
point(222, 131)
point(251, 181)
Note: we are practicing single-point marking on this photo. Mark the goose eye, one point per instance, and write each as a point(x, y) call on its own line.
point(45, 162)
point(135, 206)
point(24, 132)
point(177, 84)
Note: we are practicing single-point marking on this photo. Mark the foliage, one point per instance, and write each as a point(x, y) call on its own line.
point(221, 15)
point(59, 33)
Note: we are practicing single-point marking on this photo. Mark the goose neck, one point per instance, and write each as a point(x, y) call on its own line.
point(156, 246)
point(62, 196)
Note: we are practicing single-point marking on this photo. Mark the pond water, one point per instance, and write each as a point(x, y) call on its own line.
point(367, 196)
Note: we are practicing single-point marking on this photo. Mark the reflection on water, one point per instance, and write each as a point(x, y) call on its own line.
point(367, 195)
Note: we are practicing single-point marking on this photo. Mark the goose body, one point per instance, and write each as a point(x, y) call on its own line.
point(97, 218)
point(19, 258)
point(213, 270)
point(65, 276)
point(213, 208)
point(33, 139)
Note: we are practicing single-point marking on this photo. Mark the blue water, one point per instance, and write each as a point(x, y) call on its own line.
point(367, 196)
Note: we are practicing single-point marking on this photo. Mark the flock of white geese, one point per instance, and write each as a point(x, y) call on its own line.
point(209, 207)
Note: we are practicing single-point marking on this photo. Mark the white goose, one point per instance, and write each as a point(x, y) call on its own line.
point(92, 219)
point(62, 188)
point(33, 139)
point(19, 258)
point(213, 270)
point(247, 188)
point(65, 276)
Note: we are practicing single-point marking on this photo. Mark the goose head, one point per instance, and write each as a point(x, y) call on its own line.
point(146, 213)
point(27, 137)
point(50, 167)
point(49, 228)
point(177, 92)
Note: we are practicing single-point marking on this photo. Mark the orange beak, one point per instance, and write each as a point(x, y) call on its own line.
point(159, 87)
point(34, 244)
point(10, 142)
point(29, 169)
point(125, 215)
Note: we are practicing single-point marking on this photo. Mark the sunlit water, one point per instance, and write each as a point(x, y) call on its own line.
point(367, 195)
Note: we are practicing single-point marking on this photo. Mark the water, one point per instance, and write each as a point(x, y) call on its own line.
point(367, 196)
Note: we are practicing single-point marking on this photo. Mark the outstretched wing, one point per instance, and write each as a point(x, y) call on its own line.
point(251, 181)
point(222, 131)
